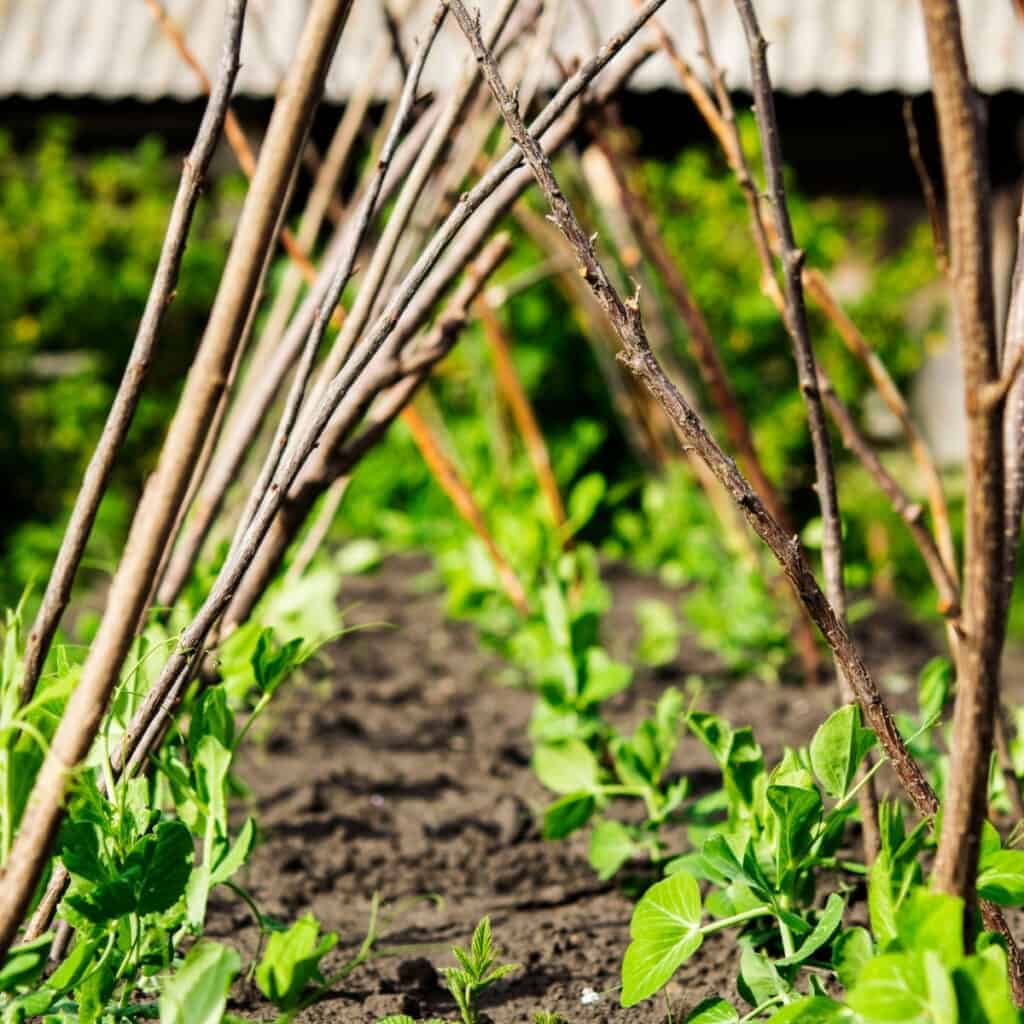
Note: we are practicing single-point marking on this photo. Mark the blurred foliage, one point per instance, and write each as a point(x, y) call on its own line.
point(79, 241)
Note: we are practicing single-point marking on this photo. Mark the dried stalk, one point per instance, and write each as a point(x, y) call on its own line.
point(515, 395)
point(94, 484)
point(156, 514)
point(983, 619)
point(445, 472)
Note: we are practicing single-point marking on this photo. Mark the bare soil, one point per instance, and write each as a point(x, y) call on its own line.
point(401, 766)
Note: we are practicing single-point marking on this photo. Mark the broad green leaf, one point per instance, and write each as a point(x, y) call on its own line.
point(556, 613)
point(830, 920)
point(197, 993)
point(932, 920)
point(603, 677)
point(905, 988)
point(105, 902)
point(77, 962)
point(573, 811)
point(983, 989)
point(567, 767)
point(814, 1010)
point(712, 1011)
point(796, 811)
point(80, 850)
point(715, 733)
point(291, 960)
point(165, 867)
point(850, 952)
point(584, 500)
point(1001, 877)
point(665, 931)
point(759, 981)
point(212, 717)
point(837, 749)
point(94, 992)
point(611, 845)
point(212, 763)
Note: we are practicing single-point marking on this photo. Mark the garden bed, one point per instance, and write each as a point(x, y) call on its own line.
point(403, 768)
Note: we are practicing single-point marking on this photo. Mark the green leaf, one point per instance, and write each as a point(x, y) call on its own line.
point(584, 500)
point(77, 962)
point(573, 811)
point(611, 845)
point(291, 960)
point(837, 749)
point(933, 688)
point(814, 1010)
point(603, 677)
point(881, 906)
point(665, 931)
point(850, 952)
point(105, 902)
point(797, 811)
point(759, 981)
point(712, 1011)
point(659, 632)
point(80, 850)
point(236, 856)
point(556, 613)
point(1001, 877)
point(934, 921)
point(983, 989)
point(165, 862)
point(25, 963)
point(94, 992)
point(212, 717)
point(567, 767)
point(905, 988)
point(212, 763)
point(830, 920)
point(197, 993)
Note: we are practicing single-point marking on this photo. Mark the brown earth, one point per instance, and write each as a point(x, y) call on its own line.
point(401, 767)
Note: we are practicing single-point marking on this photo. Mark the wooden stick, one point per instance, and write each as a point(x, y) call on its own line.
point(983, 620)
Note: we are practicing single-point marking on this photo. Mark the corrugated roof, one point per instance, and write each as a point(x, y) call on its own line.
point(113, 49)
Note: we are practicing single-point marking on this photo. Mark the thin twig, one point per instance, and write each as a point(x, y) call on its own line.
point(931, 199)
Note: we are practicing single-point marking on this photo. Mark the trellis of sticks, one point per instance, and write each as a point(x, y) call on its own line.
point(421, 274)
